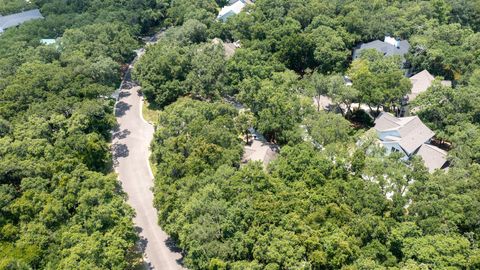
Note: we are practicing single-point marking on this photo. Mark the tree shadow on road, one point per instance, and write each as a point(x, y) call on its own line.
point(128, 85)
point(121, 108)
point(141, 246)
point(119, 151)
point(121, 134)
point(124, 94)
point(173, 246)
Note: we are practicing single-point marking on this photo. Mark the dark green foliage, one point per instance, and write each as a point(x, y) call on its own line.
point(332, 199)
point(61, 207)
point(324, 203)
point(180, 11)
point(13, 6)
point(170, 70)
point(307, 210)
point(447, 50)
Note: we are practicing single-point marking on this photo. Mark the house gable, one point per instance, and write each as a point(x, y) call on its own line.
point(410, 136)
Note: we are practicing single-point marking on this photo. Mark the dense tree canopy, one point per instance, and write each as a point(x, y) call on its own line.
point(61, 205)
point(331, 199)
point(12, 6)
point(379, 80)
point(310, 209)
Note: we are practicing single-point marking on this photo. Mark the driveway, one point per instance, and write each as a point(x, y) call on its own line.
point(131, 143)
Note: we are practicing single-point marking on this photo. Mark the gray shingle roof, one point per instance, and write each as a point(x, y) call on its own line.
point(433, 157)
point(412, 131)
point(386, 48)
point(19, 18)
point(414, 134)
point(421, 82)
point(229, 47)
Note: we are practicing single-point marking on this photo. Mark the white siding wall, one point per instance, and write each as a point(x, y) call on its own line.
point(389, 145)
point(383, 134)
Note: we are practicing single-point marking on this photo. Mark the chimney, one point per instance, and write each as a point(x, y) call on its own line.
point(390, 40)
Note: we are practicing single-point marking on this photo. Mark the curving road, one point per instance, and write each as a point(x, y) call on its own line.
point(131, 144)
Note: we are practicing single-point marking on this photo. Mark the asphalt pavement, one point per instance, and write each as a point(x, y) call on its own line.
point(131, 150)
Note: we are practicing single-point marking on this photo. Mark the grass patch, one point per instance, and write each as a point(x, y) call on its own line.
point(153, 166)
point(150, 112)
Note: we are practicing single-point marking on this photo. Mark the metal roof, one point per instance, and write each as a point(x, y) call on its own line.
point(230, 10)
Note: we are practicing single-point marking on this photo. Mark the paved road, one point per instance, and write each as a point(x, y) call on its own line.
point(131, 151)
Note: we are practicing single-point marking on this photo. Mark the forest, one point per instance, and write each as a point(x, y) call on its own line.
point(332, 199)
point(61, 207)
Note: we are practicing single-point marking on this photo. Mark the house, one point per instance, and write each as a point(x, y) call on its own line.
point(409, 136)
point(231, 10)
point(19, 18)
point(231, 2)
point(228, 47)
point(389, 47)
point(421, 82)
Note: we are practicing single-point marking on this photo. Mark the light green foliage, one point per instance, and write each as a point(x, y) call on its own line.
point(438, 251)
point(194, 139)
point(343, 94)
point(309, 208)
point(379, 80)
point(443, 50)
point(61, 207)
point(171, 69)
point(243, 122)
point(338, 206)
point(318, 84)
point(326, 128)
point(334, 87)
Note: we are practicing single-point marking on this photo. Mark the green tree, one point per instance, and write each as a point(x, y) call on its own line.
point(243, 122)
point(330, 49)
point(326, 128)
point(207, 68)
point(162, 72)
point(379, 80)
